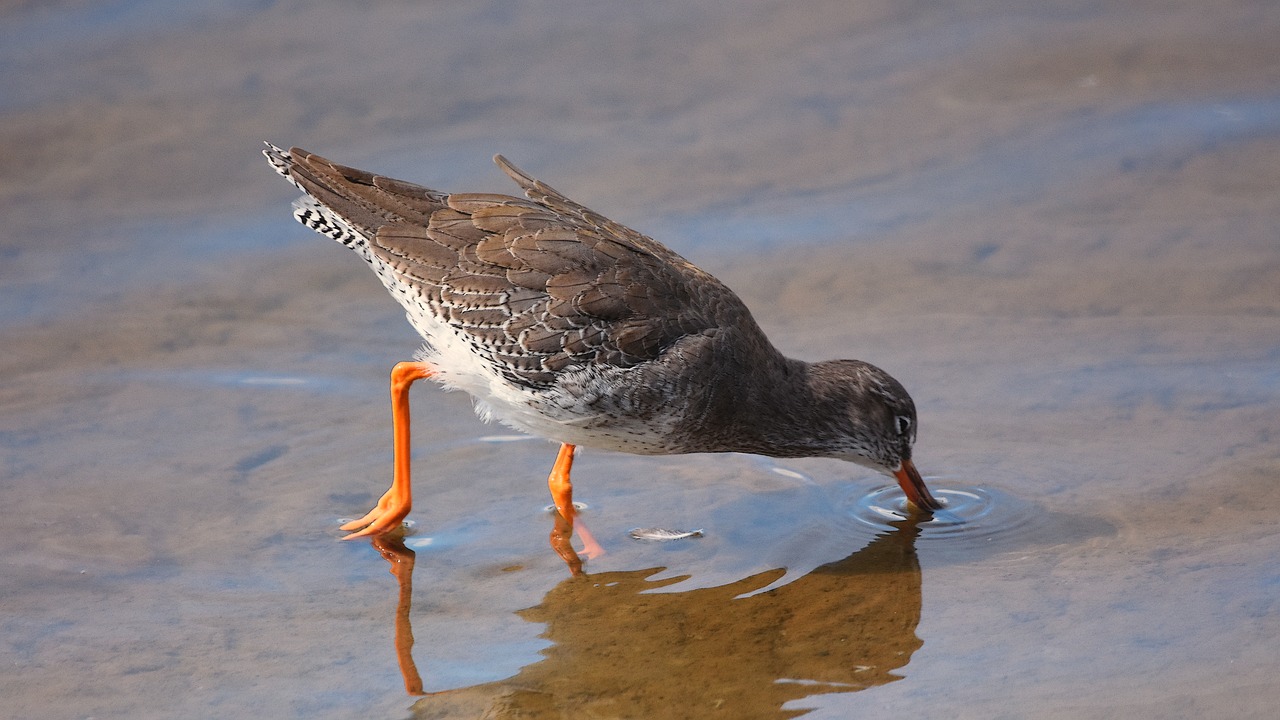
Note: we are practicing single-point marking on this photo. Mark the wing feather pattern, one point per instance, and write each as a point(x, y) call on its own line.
point(537, 285)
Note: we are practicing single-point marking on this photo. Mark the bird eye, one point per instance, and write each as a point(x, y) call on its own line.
point(904, 424)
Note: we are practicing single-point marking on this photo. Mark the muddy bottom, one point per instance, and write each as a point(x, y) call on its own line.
point(1058, 228)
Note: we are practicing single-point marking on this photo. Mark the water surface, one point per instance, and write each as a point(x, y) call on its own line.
point(1057, 225)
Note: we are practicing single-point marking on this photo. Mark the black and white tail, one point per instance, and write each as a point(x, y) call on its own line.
point(311, 212)
point(281, 160)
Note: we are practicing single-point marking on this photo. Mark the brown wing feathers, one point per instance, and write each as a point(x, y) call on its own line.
point(538, 285)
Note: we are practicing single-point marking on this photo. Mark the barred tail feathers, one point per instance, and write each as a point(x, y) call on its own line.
point(317, 216)
point(308, 210)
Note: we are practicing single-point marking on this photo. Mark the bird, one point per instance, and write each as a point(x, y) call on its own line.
point(565, 325)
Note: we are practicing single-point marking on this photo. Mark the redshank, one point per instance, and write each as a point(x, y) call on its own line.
point(566, 325)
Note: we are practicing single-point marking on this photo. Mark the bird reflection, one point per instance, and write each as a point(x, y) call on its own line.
point(561, 541)
point(619, 651)
point(392, 548)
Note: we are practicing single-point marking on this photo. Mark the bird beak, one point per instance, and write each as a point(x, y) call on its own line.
point(913, 485)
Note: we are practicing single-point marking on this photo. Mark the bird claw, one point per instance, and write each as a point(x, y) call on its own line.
point(591, 551)
point(384, 518)
point(382, 527)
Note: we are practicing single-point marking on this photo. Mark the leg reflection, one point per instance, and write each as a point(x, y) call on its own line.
point(562, 542)
point(401, 559)
point(561, 487)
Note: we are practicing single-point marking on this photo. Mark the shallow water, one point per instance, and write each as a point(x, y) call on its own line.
point(1058, 226)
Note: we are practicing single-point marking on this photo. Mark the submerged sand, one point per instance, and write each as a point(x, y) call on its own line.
point(1058, 226)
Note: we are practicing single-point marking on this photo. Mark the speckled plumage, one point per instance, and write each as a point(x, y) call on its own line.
point(567, 325)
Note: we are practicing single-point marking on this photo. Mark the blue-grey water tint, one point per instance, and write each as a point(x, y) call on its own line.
point(1058, 225)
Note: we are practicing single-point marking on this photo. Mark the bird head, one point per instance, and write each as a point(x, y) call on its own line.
point(874, 423)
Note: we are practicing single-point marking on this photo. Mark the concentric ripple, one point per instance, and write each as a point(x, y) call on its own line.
point(969, 514)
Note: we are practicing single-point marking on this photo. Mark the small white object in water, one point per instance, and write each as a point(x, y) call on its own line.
point(661, 535)
point(789, 473)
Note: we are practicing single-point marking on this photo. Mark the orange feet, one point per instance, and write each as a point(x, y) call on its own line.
point(562, 495)
point(591, 549)
point(386, 516)
point(396, 502)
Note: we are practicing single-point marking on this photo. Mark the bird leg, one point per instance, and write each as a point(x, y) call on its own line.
point(562, 495)
point(396, 502)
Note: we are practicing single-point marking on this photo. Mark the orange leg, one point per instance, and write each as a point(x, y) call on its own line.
point(562, 495)
point(396, 502)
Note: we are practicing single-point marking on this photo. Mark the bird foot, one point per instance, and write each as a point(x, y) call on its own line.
point(591, 549)
point(387, 516)
point(562, 542)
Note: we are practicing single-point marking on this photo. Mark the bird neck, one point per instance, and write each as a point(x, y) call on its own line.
point(786, 413)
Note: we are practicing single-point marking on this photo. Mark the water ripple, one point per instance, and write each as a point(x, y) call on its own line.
point(971, 515)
